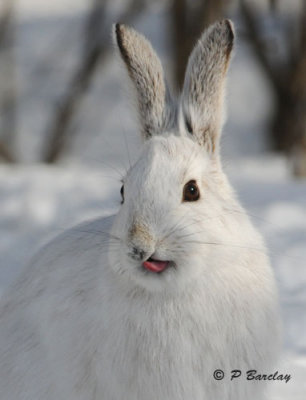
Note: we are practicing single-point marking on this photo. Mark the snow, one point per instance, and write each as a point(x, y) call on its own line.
point(39, 201)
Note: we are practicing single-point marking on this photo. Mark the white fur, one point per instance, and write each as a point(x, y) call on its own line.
point(87, 322)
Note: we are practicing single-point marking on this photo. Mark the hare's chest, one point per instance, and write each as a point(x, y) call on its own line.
point(172, 353)
point(157, 357)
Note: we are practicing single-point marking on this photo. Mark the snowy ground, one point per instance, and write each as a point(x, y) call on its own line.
point(38, 202)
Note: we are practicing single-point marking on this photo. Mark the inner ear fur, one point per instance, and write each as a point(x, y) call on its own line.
point(201, 108)
point(146, 72)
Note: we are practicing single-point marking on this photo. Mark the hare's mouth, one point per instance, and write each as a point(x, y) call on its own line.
point(157, 266)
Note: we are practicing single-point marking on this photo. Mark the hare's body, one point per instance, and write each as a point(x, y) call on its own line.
point(147, 304)
point(63, 338)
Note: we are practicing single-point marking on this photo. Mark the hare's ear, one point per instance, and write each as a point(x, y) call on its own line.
point(146, 73)
point(201, 109)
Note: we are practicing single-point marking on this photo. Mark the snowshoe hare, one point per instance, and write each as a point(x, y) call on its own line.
point(148, 303)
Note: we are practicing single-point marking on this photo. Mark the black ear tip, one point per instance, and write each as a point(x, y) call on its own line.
point(118, 30)
point(118, 26)
point(227, 31)
point(230, 29)
point(119, 37)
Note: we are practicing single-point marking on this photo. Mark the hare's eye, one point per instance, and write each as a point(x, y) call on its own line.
point(122, 194)
point(191, 191)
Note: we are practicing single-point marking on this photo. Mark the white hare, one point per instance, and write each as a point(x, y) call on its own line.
point(148, 303)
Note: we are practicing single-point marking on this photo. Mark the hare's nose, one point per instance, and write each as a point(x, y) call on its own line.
point(137, 254)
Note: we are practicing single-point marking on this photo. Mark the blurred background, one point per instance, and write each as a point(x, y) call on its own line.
point(68, 126)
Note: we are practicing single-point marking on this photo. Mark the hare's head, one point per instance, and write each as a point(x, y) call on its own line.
point(173, 198)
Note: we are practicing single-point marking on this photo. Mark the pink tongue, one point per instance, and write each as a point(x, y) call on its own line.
point(155, 266)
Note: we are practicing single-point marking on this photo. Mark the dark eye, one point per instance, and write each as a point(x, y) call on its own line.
point(122, 194)
point(191, 191)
